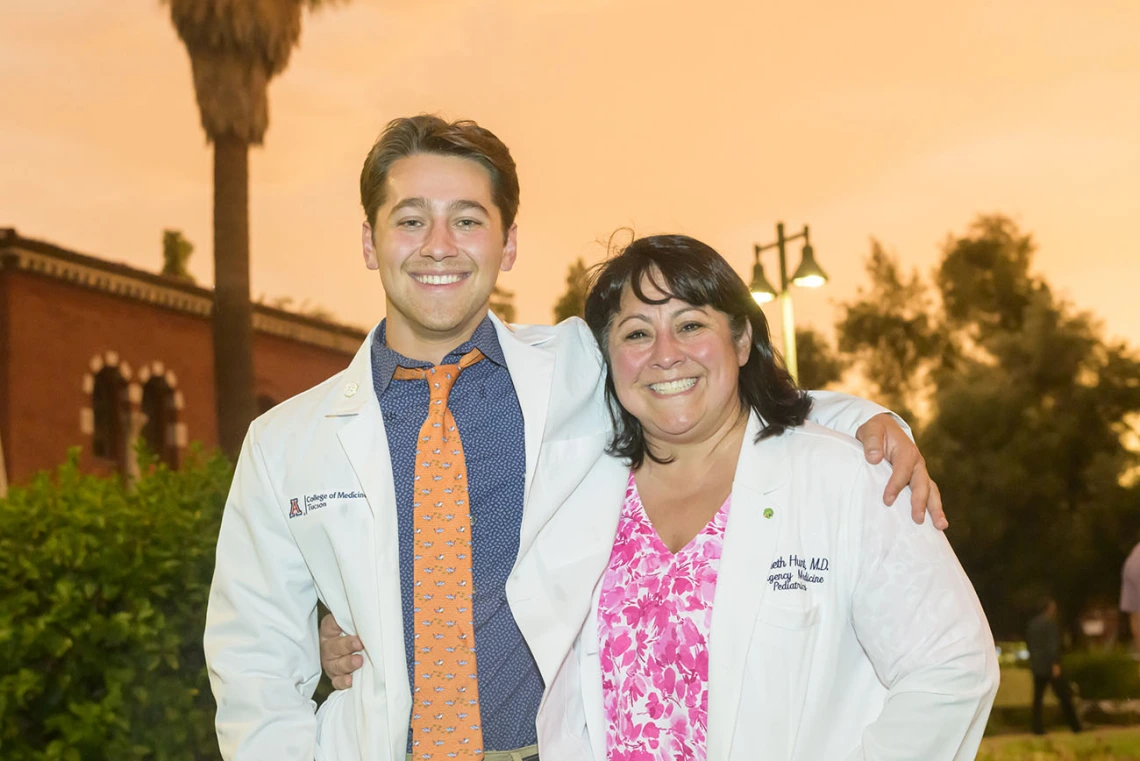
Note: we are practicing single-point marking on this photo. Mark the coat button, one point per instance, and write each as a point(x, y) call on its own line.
point(350, 389)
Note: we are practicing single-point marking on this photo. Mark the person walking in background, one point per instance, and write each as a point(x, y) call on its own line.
point(1130, 594)
point(1043, 639)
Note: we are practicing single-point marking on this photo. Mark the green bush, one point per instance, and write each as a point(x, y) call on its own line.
point(1103, 674)
point(102, 602)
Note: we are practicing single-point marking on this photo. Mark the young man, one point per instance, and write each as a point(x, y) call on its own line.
point(356, 492)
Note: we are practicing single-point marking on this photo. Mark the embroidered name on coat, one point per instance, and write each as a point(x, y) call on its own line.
point(796, 571)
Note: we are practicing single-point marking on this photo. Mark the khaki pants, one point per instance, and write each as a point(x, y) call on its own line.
point(529, 753)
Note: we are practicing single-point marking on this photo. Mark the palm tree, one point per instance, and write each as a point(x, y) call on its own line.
point(236, 47)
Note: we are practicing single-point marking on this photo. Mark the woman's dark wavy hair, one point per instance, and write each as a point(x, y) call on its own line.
point(688, 270)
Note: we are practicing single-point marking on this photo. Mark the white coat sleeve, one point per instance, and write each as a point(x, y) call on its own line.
point(845, 413)
point(261, 631)
point(920, 623)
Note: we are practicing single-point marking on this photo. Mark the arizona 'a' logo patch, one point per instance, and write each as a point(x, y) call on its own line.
point(294, 509)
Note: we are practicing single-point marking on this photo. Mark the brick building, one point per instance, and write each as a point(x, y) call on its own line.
point(96, 354)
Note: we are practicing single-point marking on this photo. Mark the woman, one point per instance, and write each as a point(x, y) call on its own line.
point(759, 602)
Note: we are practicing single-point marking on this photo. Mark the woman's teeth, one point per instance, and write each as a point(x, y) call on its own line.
point(674, 386)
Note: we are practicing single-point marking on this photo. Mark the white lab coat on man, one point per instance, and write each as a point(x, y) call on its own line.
point(840, 629)
point(312, 513)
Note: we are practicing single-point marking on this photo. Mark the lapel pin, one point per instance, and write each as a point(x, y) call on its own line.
point(769, 512)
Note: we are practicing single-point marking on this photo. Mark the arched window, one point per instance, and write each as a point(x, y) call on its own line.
point(107, 400)
point(158, 430)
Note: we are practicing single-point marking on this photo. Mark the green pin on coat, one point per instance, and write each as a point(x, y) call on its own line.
point(769, 512)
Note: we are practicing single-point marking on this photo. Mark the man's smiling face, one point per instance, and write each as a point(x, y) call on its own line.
point(439, 244)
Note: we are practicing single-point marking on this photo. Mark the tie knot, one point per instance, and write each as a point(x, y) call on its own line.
point(440, 378)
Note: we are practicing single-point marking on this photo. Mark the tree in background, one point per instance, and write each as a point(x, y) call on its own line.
point(890, 335)
point(235, 47)
point(984, 279)
point(176, 251)
point(572, 303)
point(820, 364)
point(503, 303)
point(1028, 407)
point(1027, 439)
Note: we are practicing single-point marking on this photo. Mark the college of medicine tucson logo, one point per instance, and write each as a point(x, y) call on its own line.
point(294, 509)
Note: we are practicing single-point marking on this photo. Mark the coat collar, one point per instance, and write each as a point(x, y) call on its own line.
point(532, 369)
point(760, 467)
point(354, 407)
point(354, 392)
point(759, 507)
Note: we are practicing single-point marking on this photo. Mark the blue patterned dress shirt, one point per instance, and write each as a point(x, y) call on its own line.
point(490, 421)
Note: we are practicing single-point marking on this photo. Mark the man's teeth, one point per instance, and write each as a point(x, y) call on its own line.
point(674, 386)
point(438, 279)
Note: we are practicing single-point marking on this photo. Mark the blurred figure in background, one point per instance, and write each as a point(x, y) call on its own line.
point(1043, 637)
point(1130, 595)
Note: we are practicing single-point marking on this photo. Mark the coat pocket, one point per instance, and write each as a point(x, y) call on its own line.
point(788, 617)
point(778, 671)
point(336, 728)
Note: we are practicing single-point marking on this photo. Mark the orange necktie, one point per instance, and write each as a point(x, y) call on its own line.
point(445, 700)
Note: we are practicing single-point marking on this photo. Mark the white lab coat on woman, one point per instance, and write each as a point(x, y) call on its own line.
point(840, 629)
point(312, 513)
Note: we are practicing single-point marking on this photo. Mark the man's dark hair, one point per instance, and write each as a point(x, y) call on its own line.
point(685, 269)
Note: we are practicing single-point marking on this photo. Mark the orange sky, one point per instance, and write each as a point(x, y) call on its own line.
point(899, 120)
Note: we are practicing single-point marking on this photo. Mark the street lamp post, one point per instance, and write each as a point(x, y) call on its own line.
point(808, 275)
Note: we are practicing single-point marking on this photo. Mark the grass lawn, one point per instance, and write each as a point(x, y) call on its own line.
point(1115, 744)
point(1016, 689)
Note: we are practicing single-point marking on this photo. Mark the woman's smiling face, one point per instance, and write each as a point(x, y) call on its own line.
point(675, 366)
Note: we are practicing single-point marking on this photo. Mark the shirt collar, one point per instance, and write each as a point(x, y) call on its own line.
point(385, 360)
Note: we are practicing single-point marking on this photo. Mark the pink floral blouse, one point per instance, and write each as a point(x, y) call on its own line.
point(653, 628)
